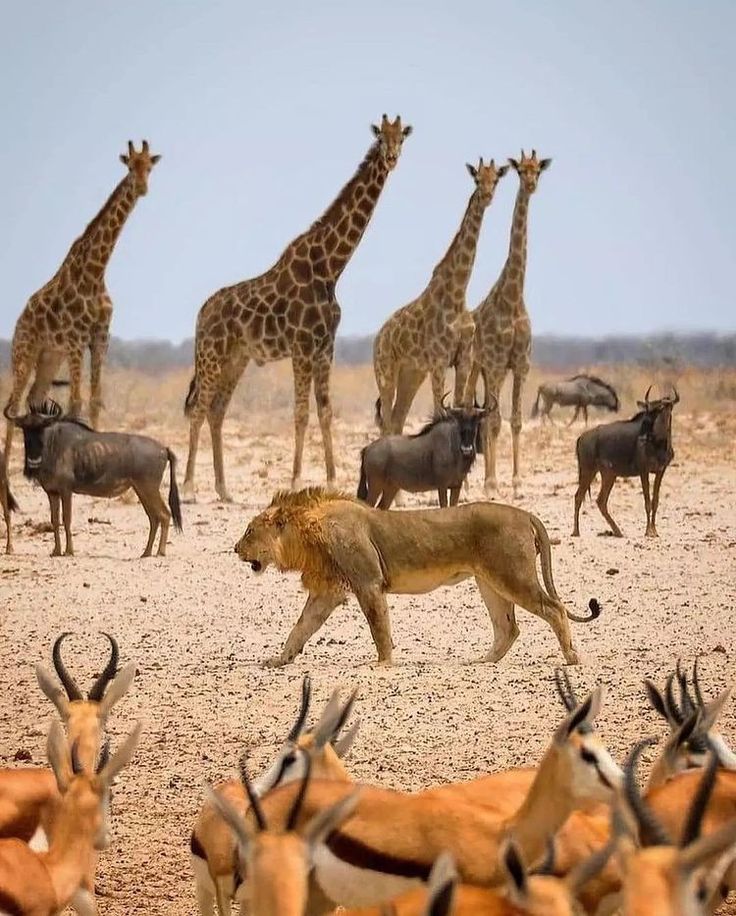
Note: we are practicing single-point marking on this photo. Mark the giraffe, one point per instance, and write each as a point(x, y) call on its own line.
point(435, 330)
point(289, 311)
point(503, 333)
point(72, 311)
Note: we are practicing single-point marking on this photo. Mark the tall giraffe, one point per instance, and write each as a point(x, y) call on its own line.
point(72, 312)
point(503, 332)
point(434, 331)
point(289, 311)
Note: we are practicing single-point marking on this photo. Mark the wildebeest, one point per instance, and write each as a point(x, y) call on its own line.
point(580, 392)
point(9, 505)
point(627, 448)
point(66, 456)
point(437, 457)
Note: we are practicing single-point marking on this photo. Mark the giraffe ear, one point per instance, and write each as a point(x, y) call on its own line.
point(544, 164)
point(155, 159)
point(472, 169)
point(376, 130)
point(407, 131)
point(124, 159)
point(514, 164)
point(501, 171)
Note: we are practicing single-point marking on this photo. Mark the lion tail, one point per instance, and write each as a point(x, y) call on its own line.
point(363, 483)
point(545, 556)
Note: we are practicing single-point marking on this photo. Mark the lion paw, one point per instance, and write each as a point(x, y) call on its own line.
point(275, 661)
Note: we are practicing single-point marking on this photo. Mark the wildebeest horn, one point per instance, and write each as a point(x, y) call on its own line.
point(100, 685)
point(652, 833)
point(72, 691)
point(444, 397)
point(677, 396)
point(646, 396)
point(7, 414)
point(298, 727)
point(255, 802)
point(299, 800)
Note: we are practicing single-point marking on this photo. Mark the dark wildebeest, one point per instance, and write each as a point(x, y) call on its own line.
point(8, 504)
point(66, 456)
point(580, 392)
point(627, 448)
point(438, 457)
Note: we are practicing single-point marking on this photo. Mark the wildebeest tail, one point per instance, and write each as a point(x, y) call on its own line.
point(192, 396)
point(174, 502)
point(363, 483)
point(378, 416)
point(545, 556)
point(535, 405)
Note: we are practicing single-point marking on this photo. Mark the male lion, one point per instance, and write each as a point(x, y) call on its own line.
point(341, 545)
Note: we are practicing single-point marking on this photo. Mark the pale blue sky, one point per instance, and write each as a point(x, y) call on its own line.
point(261, 113)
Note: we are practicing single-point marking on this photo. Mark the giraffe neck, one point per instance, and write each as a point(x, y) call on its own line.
point(91, 252)
point(454, 270)
point(333, 238)
point(515, 266)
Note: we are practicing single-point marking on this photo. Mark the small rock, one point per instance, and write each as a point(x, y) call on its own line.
point(22, 754)
point(720, 648)
point(612, 571)
point(143, 599)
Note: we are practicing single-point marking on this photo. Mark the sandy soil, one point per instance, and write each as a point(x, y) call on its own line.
point(199, 623)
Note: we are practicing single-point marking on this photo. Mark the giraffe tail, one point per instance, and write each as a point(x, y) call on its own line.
point(192, 396)
point(378, 416)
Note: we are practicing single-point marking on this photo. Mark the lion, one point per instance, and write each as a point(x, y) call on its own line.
point(341, 545)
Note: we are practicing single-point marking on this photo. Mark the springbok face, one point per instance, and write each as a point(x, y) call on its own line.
point(85, 719)
point(391, 136)
point(139, 165)
point(529, 168)
point(486, 177)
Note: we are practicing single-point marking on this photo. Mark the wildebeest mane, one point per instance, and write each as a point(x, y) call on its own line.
point(444, 416)
point(597, 380)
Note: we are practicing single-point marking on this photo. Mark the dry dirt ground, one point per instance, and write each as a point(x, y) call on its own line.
point(199, 624)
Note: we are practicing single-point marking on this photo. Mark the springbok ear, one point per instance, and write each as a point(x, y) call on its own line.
point(118, 688)
point(329, 819)
point(324, 730)
point(122, 756)
point(544, 164)
point(472, 170)
point(711, 712)
point(231, 816)
point(54, 693)
point(501, 171)
point(57, 751)
point(441, 886)
point(515, 872)
point(407, 131)
point(342, 745)
point(376, 130)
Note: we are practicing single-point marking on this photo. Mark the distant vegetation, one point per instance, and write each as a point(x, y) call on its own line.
point(672, 351)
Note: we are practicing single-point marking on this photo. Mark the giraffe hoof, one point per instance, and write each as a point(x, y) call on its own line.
point(188, 494)
point(296, 484)
point(490, 488)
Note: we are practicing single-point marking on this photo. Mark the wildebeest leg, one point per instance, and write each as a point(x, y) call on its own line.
point(158, 514)
point(302, 383)
point(315, 612)
point(66, 511)
point(607, 481)
point(655, 499)
point(321, 376)
point(442, 496)
point(388, 495)
point(575, 415)
point(644, 477)
point(586, 479)
point(54, 505)
point(503, 620)
point(454, 496)
point(373, 604)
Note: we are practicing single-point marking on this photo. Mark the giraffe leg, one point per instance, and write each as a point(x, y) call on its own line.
point(98, 351)
point(54, 505)
point(437, 378)
point(386, 380)
point(410, 381)
point(47, 367)
point(321, 374)
point(22, 367)
point(75, 358)
point(215, 417)
point(463, 366)
point(516, 421)
point(302, 383)
point(491, 428)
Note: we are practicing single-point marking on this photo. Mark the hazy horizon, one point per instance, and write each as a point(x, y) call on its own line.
point(262, 115)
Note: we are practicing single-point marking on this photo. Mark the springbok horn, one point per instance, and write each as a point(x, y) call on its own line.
point(652, 833)
point(100, 685)
point(72, 691)
point(255, 802)
point(686, 701)
point(565, 690)
point(298, 727)
point(77, 767)
point(299, 800)
point(691, 830)
point(675, 712)
point(696, 684)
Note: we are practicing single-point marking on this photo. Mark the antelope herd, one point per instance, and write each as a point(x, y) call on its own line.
point(575, 834)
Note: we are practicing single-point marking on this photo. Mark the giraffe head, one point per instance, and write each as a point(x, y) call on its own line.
point(486, 177)
point(390, 137)
point(529, 168)
point(139, 165)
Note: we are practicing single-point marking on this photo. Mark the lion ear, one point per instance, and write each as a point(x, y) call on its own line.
point(279, 521)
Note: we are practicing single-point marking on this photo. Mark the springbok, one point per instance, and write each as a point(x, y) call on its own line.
point(278, 860)
point(42, 884)
point(213, 846)
point(389, 843)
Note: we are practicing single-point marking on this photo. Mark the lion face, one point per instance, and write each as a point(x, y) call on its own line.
point(260, 545)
